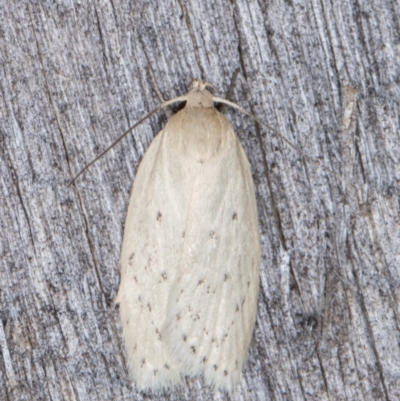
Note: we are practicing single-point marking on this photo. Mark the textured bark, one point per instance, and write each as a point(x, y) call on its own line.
point(324, 74)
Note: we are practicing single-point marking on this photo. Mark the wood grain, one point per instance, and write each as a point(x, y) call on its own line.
point(75, 75)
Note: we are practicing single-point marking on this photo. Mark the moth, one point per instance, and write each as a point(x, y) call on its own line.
point(191, 252)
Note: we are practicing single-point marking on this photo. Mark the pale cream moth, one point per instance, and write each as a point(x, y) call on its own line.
point(191, 253)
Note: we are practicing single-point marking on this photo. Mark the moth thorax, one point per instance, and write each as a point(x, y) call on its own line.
point(199, 99)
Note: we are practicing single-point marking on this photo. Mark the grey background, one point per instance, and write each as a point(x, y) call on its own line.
point(74, 75)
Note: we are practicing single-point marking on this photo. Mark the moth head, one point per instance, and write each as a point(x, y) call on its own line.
point(201, 85)
point(199, 96)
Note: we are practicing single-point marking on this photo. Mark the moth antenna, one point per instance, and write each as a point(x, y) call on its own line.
point(237, 107)
point(205, 84)
point(153, 78)
point(151, 114)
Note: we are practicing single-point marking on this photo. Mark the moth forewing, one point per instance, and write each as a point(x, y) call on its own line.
point(191, 253)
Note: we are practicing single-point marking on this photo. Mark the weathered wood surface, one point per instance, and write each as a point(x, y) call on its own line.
point(325, 74)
